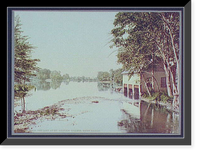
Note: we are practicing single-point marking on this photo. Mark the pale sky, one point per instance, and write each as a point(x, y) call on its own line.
point(71, 42)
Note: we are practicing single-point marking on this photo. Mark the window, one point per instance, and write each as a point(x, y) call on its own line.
point(130, 91)
point(136, 92)
point(163, 82)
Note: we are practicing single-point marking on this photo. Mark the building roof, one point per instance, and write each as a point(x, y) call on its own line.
point(125, 72)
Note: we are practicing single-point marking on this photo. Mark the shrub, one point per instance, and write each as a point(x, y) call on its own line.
point(158, 96)
point(162, 96)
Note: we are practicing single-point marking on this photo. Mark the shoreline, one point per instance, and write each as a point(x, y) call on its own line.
point(23, 121)
point(168, 106)
point(62, 110)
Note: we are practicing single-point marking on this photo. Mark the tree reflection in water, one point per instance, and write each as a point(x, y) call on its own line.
point(137, 117)
point(153, 119)
point(44, 85)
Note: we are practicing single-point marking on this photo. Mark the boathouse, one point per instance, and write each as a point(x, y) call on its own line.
point(137, 84)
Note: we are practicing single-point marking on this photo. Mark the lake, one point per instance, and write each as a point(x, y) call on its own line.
point(114, 113)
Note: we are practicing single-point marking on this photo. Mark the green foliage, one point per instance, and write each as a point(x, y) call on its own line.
point(43, 74)
point(83, 79)
point(24, 67)
point(55, 75)
point(66, 77)
point(54, 84)
point(146, 40)
point(116, 76)
point(139, 35)
point(133, 35)
point(21, 90)
point(103, 76)
point(158, 96)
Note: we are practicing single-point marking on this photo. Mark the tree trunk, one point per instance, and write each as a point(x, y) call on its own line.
point(167, 71)
point(176, 95)
point(155, 81)
point(175, 87)
point(175, 90)
point(153, 71)
point(172, 38)
point(170, 80)
point(175, 102)
point(169, 89)
point(23, 105)
point(146, 85)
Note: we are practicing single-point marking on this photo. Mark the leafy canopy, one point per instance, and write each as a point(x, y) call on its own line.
point(143, 37)
point(24, 67)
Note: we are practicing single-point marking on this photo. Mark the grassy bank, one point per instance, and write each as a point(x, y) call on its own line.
point(160, 98)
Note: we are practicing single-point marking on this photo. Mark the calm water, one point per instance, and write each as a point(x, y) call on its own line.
point(48, 93)
point(115, 113)
point(151, 119)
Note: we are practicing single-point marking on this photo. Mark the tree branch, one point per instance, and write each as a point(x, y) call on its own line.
point(172, 38)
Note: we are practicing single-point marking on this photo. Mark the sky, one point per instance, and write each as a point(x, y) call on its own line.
point(72, 42)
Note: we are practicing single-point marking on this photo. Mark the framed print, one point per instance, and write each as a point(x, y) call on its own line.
point(98, 75)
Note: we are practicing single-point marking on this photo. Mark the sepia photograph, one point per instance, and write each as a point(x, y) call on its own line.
point(97, 72)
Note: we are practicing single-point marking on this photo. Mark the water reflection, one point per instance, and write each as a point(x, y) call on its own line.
point(45, 85)
point(103, 86)
point(148, 118)
point(54, 84)
point(42, 85)
point(135, 116)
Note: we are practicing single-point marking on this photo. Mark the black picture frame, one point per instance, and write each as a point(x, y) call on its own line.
point(183, 139)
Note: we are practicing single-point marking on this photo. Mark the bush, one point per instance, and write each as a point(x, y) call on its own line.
point(163, 97)
point(158, 96)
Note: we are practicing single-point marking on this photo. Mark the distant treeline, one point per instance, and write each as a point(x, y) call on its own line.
point(83, 79)
point(113, 76)
point(44, 74)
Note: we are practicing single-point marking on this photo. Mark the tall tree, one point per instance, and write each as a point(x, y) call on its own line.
point(24, 67)
point(146, 39)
